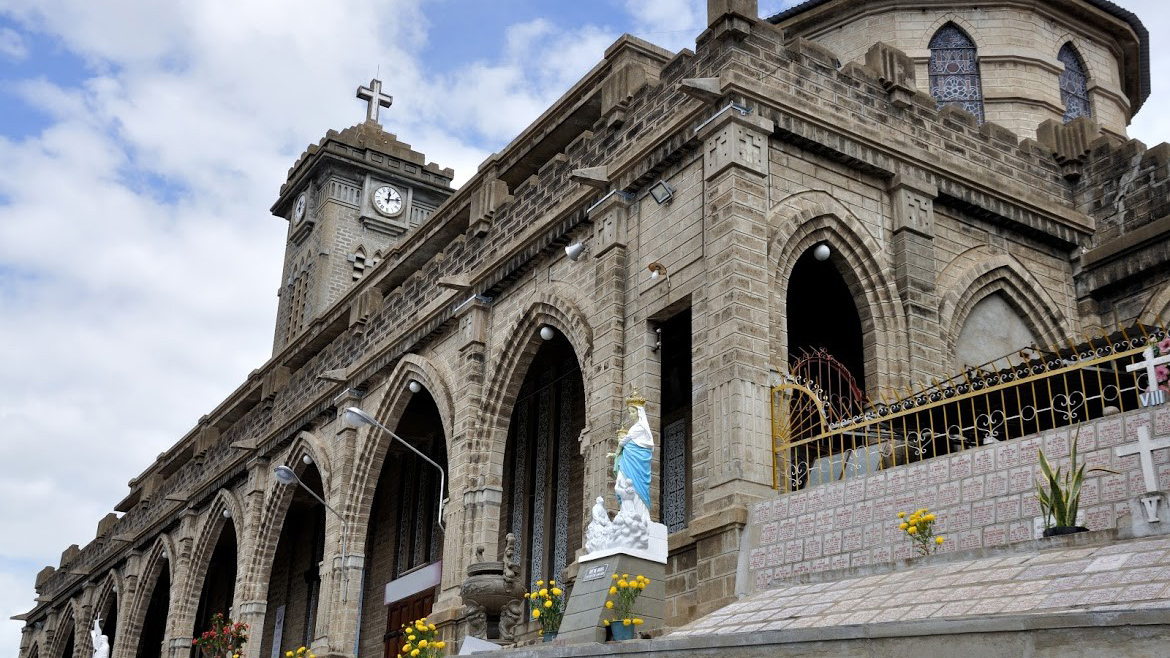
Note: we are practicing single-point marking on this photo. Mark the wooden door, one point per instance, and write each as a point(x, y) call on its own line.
point(402, 612)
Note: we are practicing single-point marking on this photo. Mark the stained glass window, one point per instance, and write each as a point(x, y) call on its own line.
point(954, 71)
point(1074, 85)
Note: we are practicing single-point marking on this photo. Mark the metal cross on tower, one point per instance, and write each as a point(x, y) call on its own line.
point(374, 98)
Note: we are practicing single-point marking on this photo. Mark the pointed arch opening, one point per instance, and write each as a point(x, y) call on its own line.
point(66, 635)
point(954, 70)
point(294, 584)
point(404, 536)
point(543, 468)
point(217, 596)
point(154, 624)
point(823, 320)
point(107, 614)
point(1074, 84)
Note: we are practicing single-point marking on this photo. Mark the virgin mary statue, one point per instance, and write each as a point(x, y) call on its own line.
point(636, 450)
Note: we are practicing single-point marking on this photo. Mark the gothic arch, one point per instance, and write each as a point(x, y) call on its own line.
point(162, 555)
point(1157, 310)
point(206, 538)
point(963, 24)
point(998, 274)
point(276, 501)
point(112, 584)
point(557, 309)
point(69, 615)
point(805, 219)
point(1077, 44)
point(373, 447)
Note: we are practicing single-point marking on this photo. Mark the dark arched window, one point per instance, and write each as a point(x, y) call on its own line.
point(954, 70)
point(1074, 85)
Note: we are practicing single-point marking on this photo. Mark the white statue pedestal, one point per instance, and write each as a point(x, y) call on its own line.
point(586, 609)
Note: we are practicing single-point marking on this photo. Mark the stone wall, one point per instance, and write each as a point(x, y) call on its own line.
point(982, 497)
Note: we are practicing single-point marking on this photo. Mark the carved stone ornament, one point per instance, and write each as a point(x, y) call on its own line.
point(489, 592)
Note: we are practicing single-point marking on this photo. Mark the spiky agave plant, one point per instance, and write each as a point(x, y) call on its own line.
point(1060, 492)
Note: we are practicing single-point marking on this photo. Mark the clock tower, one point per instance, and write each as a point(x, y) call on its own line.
point(347, 200)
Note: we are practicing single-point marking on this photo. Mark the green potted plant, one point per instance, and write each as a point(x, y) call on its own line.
point(1060, 493)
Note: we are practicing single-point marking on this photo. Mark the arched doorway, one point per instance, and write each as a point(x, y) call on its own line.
point(404, 536)
point(294, 583)
point(543, 471)
point(107, 615)
point(67, 633)
point(154, 625)
point(219, 581)
point(822, 316)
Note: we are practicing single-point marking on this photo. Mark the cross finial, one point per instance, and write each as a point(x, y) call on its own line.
point(374, 99)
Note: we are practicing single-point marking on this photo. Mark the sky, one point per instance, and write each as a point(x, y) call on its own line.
point(141, 145)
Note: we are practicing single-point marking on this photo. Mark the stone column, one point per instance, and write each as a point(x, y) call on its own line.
point(181, 611)
point(606, 397)
point(916, 270)
point(250, 607)
point(473, 513)
point(737, 431)
point(343, 563)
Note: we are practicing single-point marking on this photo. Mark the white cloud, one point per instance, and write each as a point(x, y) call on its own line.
point(12, 44)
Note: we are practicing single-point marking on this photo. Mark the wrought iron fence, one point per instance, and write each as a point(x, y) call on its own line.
point(816, 441)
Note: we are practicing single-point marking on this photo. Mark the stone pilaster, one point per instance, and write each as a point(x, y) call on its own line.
point(606, 396)
point(250, 606)
point(735, 164)
point(473, 517)
point(916, 270)
point(344, 559)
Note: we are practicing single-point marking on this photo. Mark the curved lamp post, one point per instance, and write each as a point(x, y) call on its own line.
point(356, 416)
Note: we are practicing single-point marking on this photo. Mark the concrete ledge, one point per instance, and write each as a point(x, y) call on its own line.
point(1128, 633)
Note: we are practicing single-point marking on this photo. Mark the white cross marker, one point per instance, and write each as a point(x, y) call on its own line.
point(1145, 450)
point(1148, 363)
point(374, 99)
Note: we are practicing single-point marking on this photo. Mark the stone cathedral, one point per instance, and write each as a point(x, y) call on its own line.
point(892, 192)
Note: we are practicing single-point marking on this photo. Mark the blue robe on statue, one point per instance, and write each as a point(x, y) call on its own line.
point(634, 459)
point(634, 462)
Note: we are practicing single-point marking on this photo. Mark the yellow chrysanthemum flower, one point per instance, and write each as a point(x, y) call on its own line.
point(623, 583)
point(625, 575)
point(901, 515)
point(548, 604)
point(615, 576)
point(912, 530)
point(539, 583)
point(414, 653)
point(431, 627)
point(422, 644)
point(440, 645)
point(605, 621)
point(612, 590)
point(407, 647)
point(557, 591)
point(544, 592)
point(288, 654)
point(903, 525)
point(411, 637)
point(609, 605)
point(526, 594)
point(302, 650)
point(625, 622)
point(551, 583)
point(536, 613)
point(938, 540)
point(929, 517)
point(637, 621)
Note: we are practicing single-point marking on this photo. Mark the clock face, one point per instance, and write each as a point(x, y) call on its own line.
point(299, 209)
point(387, 200)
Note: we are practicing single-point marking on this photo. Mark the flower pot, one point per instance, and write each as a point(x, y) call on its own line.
point(1055, 531)
point(548, 636)
point(620, 631)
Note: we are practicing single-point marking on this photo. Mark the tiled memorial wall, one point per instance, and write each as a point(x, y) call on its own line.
point(982, 497)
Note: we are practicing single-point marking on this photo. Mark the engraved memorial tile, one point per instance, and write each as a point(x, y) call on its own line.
point(960, 466)
point(997, 484)
point(1008, 455)
point(1113, 487)
point(787, 530)
point(1056, 445)
point(851, 539)
point(769, 533)
point(1007, 509)
point(983, 461)
point(948, 494)
point(775, 555)
point(983, 513)
point(832, 543)
point(973, 488)
point(995, 535)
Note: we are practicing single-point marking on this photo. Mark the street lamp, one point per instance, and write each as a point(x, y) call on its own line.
point(286, 475)
point(355, 416)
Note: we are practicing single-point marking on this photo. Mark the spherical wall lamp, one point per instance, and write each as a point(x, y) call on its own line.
point(306, 460)
point(227, 513)
point(414, 386)
point(822, 252)
point(547, 332)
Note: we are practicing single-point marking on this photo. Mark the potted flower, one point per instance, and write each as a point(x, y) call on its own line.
point(300, 652)
point(422, 641)
point(548, 607)
point(1060, 493)
point(223, 640)
point(919, 527)
point(622, 596)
